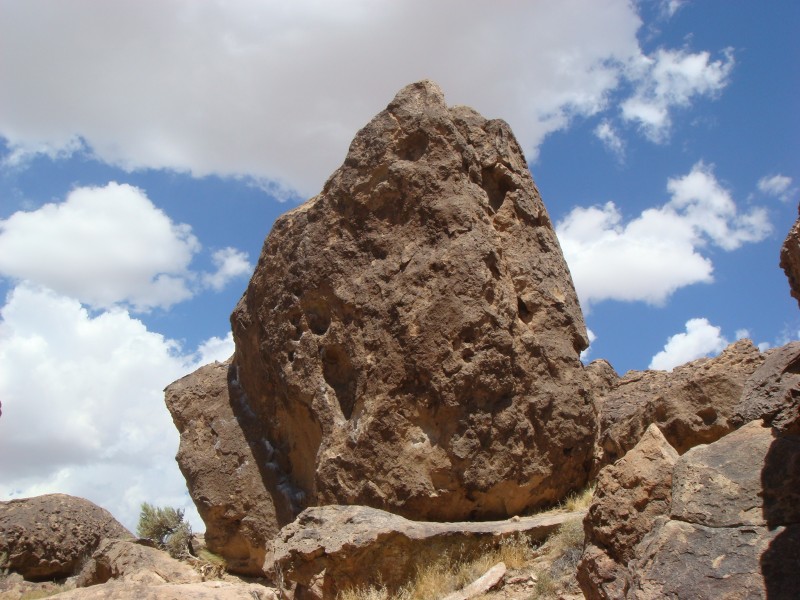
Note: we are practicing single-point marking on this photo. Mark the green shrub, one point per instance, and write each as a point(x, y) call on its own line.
point(166, 527)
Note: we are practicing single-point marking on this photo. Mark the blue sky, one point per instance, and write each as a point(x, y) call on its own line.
point(146, 148)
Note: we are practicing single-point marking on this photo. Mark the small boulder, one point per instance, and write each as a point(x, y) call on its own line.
point(127, 560)
point(51, 536)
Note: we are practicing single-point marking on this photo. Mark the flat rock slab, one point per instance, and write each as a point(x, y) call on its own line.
point(207, 590)
point(332, 548)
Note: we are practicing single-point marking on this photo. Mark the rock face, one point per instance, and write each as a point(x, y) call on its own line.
point(773, 392)
point(629, 496)
point(731, 528)
point(49, 537)
point(692, 405)
point(736, 511)
point(410, 338)
point(221, 466)
point(207, 590)
point(790, 259)
point(328, 549)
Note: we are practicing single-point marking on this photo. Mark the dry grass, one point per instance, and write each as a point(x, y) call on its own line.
point(448, 575)
point(579, 500)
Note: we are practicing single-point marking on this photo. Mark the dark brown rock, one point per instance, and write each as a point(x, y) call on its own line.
point(220, 452)
point(51, 536)
point(790, 259)
point(333, 548)
point(410, 338)
point(772, 393)
point(691, 405)
point(736, 512)
point(629, 496)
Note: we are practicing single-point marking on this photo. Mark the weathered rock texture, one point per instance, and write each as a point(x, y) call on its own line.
point(629, 496)
point(691, 405)
point(731, 528)
point(736, 512)
point(207, 590)
point(790, 259)
point(331, 548)
point(127, 560)
point(772, 393)
point(50, 536)
point(410, 338)
point(221, 466)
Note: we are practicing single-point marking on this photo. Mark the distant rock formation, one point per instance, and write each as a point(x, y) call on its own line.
point(790, 259)
point(50, 536)
point(691, 405)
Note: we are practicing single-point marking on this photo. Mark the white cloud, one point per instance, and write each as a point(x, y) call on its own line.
point(275, 90)
point(778, 186)
point(700, 339)
point(231, 263)
point(742, 334)
point(83, 406)
point(606, 133)
point(102, 245)
point(669, 79)
point(658, 252)
point(670, 7)
point(215, 349)
point(110, 245)
point(585, 354)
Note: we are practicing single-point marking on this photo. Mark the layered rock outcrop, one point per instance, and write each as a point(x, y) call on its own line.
point(693, 404)
point(329, 549)
point(51, 536)
point(410, 338)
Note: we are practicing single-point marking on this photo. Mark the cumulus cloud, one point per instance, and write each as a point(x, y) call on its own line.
point(110, 245)
point(274, 91)
point(231, 263)
point(650, 256)
point(778, 186)
point(83, 406)
point(606, 133)
point(701, 338)
point(670, 79)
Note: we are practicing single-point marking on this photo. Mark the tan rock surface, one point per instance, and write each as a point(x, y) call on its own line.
point(50, 536)
point(207, 590)
point(790, 259)
point(630, 494)
point(410, 337)
point(331, 548)
point(136, 563)
point(220, 454)
point(772, 393)
point(691, 405)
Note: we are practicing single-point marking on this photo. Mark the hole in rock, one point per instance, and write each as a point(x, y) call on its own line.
point(709, 415)
point(522, 310)
point(496, 184)
point(337, 368)
point(413, 146)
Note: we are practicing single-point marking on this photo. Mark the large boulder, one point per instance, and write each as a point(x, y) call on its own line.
point(206, 590)
point(51, 536)
point(410, 338)
point(693, 404)
point(127, 560)
point(328, 549)
point(223, 458)
point(790, 259)
point(736, 512)
point(772, 393)
point(629, 496)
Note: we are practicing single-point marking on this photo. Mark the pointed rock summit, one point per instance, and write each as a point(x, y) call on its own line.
point(410, 338)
